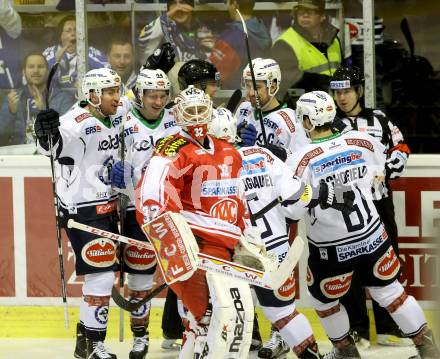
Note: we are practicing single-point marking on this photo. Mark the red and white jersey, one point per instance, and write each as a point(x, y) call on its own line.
point(282, 128)
point(202, 184)
point(84, 155)
point(140, 138)
point(352, 159)
point(265, 177)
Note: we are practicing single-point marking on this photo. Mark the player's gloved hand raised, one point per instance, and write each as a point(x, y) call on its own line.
point(47, 124)
point(248, 134)
point(280, 152)
point(120, 174)
point(395, 164)
point(161, 59)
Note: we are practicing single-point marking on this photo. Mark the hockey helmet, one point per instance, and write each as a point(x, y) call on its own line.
point(264, 70)
point(150, 80)
point(98, 79)
point(318, 106)
point(223, 125)
point(345, 78)
point(197, 72)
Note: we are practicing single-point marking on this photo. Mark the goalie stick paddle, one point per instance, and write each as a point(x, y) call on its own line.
point(234, 101)
point(132, 305)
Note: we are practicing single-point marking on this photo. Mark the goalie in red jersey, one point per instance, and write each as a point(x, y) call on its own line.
point(198, 176)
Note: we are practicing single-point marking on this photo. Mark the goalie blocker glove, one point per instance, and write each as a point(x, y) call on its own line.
point(161, 59)
point(47, 124)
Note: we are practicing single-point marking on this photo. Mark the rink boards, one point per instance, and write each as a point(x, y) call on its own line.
point(28, 246)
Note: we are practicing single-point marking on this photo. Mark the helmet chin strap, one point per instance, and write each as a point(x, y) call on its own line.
point(272, 95)
point(357, 101)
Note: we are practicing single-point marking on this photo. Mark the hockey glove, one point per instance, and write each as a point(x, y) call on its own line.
point(280, 152)
point(340, 198)
point(47, 124)
point(161, 59)
point(121, 175)
point(395, 164)
point(247, 133)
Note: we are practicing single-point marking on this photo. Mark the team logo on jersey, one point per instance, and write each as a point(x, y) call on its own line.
point(142, 311)
point(226, 210)
point(387, 266)
point(100, 253)
point(253, 166)
point(139, 258)
point(101, 315)
point(337, 161)
point(323, 254)
point(337, 286)
point(288, 290)
point(219, 188)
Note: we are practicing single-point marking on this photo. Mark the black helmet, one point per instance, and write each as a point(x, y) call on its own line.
point(197, 72)
point(345, 77)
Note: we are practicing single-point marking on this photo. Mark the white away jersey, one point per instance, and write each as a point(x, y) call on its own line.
point(265, 178)
point(140, 138)
point(282, 128)
point(84, 156)
point(353, 159)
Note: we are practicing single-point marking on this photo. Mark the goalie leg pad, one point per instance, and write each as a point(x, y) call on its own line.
point(403, 308)
point(334, 319)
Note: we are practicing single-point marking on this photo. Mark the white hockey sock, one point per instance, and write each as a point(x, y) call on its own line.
point(409, 316)
point(296, 331)
point(336, 325)
point(94, 319)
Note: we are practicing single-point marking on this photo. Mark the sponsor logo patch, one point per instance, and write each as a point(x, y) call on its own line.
point(359, 248)
point(288, 121)
point(219, 188)
point(106, 208)
point(387, 266)
point(253, 166)
point(82, 117)
point(139, 258)
point(306, 159)
point(288, 290)
point(337, 161)
point(100, 253)
point(337, 286)
point(360, 142)
point(226, 210)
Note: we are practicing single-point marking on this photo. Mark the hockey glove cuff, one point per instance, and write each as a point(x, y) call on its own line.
point(47, 124)
point(247, 133)
point(120, 174)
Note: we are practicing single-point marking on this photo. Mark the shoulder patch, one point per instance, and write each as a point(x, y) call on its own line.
point(169, 146)
point(82, 117)
point(251, 151)
point(306, 159)
point(360, 142)
point(287, 120)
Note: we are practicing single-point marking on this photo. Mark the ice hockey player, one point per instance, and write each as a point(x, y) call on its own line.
point(85, 147)
point(280, 124)
point(340, 244)
point(265, 177)
point(146, 123)
point(347, 86)
point(197, 175)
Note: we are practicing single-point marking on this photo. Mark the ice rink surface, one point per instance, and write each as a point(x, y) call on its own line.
point(63, 348)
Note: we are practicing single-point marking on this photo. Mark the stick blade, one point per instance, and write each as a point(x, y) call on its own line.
point(131, 305)
point(279, 277)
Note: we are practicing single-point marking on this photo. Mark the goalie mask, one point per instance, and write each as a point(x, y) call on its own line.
point(193, 111)
point(150, 80)
point(318, 106)
point(223, 125)
point(95, 81)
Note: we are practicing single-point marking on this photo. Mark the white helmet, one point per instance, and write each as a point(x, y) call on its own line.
point(224, 125)
point(264, 70)
point(150, 80)
point(318, 106)
point(193, 107)
point(98, 79)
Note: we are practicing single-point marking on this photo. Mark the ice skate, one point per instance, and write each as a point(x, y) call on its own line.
point(428, 349)
point(348, 352)
point(140, 347)
point(81, 345)
point(276, 347)
point(360, 341)
point(97, 350)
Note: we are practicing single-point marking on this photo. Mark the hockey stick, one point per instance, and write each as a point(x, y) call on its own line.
point(265, 279)
point(55, 203)
point(132, 305)
point(404, 26)
point(122, 212)
point(258, 110)
point(234, 101)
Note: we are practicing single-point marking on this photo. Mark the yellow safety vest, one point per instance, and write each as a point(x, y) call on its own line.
point(310, 59)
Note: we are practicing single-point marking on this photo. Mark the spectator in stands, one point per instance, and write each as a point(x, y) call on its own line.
point(20, 108)
point(309, 51)
point(229, 54)
point(10, 30)
point(188, 36)
point(121, 59)
point(65, 54)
